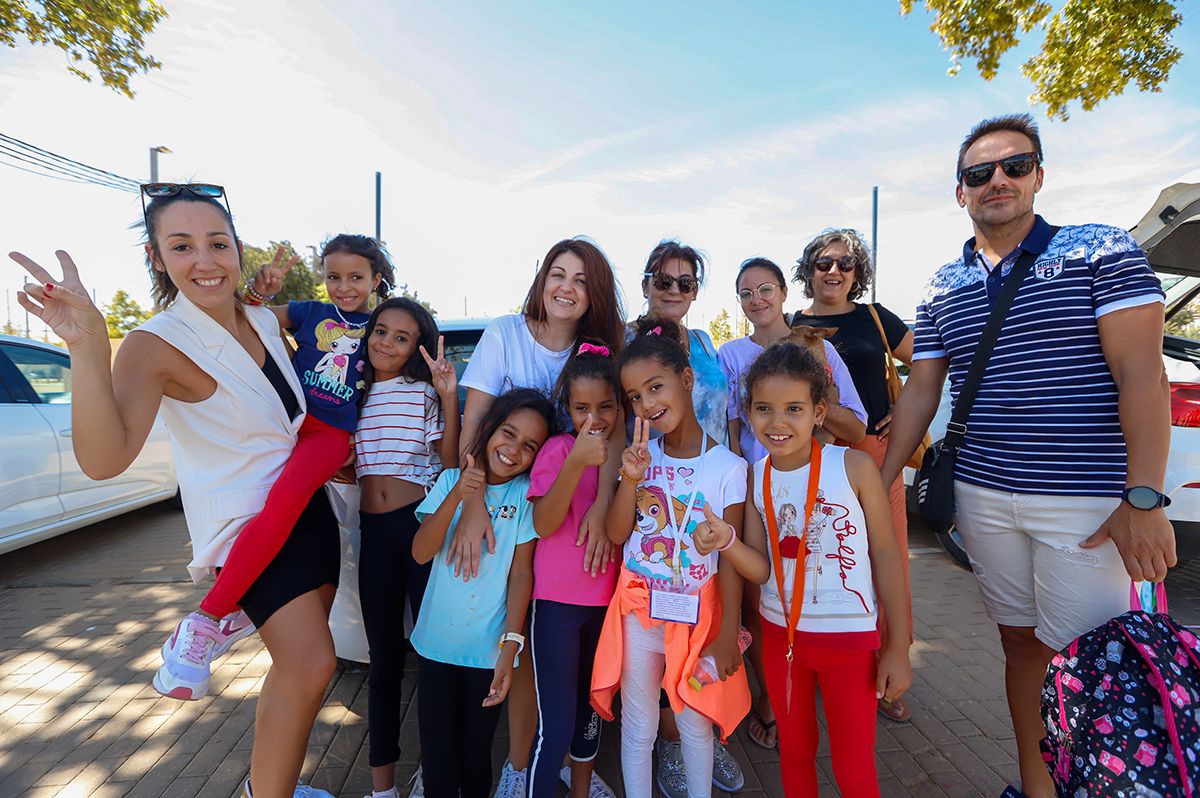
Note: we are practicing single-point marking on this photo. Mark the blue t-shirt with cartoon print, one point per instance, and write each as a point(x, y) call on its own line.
point(329, 360)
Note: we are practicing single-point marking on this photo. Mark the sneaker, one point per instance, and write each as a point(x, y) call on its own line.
point(418, 784)
point(231, 628)
point(671, 780)
point(187, 655)
point(727, 772)
point(305, 791)
point(597, 789)
point(512, 782)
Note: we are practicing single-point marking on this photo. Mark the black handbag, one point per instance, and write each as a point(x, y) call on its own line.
point(935, 480)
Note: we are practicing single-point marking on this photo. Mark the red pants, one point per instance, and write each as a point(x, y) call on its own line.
point(897, 501)
point(320, 451)
point(847, 682)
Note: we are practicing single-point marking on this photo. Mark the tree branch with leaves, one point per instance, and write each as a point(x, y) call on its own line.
point(1092, 49)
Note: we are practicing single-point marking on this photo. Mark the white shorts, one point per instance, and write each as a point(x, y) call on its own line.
point(1031, 571)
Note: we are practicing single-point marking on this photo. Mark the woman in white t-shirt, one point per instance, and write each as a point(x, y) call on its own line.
point(574, 296)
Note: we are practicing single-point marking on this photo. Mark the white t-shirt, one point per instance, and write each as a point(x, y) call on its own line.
point(717, 477)
point(507, 356)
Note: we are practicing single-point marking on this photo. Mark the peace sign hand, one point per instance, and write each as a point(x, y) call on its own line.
point(712, 533)
point(589, 449)
point(269, 280)
point(64, 305)
point(635, 460)
point(442, 375)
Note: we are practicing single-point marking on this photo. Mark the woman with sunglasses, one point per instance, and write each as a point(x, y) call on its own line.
point(834, 271)
point(219, 374)
point(762, 290)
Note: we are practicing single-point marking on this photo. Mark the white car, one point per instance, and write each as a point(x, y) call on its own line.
point(1170, 235)
point(43, 491)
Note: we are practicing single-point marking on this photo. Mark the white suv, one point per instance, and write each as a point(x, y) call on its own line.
point(43, 491)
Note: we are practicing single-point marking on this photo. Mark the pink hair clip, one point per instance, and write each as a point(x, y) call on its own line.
point(592, 349)
point(655, 331)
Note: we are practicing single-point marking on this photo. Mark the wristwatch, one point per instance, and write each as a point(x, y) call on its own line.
point(514, 637)
point(1141, 497)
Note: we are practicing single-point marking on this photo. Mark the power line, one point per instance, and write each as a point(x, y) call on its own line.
point(67, 168)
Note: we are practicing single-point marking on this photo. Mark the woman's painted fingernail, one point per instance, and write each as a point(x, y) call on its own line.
point(49, 287)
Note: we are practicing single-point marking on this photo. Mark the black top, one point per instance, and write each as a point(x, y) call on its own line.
point(286, 395)
point(857, 341)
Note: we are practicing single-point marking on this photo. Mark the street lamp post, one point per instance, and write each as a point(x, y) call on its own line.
point(154, 151)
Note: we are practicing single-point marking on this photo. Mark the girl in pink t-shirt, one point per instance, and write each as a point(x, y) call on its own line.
point(569, 601)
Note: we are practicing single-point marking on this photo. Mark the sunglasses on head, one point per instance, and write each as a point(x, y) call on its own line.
point(1014, 166)
point(844, 265)
point(202, 190)
point(663, 282)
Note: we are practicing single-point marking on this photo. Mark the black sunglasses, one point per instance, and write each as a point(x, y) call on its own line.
point(1014, 166)
point(844, 265)
point(663, 282)
point(201, 190)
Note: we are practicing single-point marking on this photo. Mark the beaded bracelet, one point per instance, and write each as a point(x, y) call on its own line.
point(253, 297)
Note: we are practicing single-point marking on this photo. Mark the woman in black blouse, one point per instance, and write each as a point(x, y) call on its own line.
point(834, 271)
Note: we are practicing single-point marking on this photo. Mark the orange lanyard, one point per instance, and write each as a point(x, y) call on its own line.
point(814, 479)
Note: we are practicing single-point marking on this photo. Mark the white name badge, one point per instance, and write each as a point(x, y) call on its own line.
point(677, 607)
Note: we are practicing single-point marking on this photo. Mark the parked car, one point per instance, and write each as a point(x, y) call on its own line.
point(1170, 235)
point(345, 617)
point(43, 491)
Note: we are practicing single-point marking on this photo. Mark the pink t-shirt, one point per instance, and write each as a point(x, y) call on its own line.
point(558, 573)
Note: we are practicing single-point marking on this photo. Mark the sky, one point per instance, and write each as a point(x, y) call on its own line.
point(502, 129)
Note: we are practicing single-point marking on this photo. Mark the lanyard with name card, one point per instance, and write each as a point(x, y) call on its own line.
point(668, 605)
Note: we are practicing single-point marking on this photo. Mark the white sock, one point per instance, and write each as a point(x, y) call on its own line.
point(390, 792)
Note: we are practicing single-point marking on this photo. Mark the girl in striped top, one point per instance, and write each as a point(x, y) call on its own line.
point(407, 432)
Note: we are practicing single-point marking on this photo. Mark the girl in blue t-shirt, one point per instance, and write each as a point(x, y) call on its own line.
point(468, 632)
point(329, 363)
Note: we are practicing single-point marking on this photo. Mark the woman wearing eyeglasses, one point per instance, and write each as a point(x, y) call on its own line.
point(762, 290)
point(834, 271)
point(219, 374)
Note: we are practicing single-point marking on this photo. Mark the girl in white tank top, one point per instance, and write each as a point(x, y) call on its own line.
point(833, 556)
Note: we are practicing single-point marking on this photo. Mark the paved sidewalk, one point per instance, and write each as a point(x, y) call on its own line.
point(82, 618)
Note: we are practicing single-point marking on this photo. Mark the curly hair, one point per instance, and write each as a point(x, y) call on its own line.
point(375, 253)
point(668, 250)
point(795, 362)
point(864, 275)
point(656, 338)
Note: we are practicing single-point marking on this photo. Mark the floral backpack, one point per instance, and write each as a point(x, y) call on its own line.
point(1122, 709)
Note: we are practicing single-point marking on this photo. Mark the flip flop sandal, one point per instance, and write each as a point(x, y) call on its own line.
point(896, 711)
point(767, 728)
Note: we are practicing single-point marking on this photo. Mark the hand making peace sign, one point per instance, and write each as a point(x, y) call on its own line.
point(64, 304)
point(269, 280)
point(635, 460)
point(443, 377)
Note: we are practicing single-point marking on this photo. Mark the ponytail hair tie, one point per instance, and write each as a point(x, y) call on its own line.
point(592, 349)
point(655, 331)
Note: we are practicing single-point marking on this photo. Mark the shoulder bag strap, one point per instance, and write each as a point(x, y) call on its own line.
point(956, 430)
point(889, 360)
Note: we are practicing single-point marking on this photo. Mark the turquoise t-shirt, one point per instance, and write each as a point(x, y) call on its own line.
point(460, 623)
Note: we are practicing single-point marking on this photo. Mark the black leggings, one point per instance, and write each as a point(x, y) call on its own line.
point(456, 729)
point(387, 574)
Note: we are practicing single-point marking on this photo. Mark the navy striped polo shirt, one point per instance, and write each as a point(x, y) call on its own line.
point(1045, 420)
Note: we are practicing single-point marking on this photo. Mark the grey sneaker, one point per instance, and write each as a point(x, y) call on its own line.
point(672, 781)
point(418, 784)
point(512, 783)
point(727, 773)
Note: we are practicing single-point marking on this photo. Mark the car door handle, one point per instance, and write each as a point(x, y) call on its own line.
point(65, 433)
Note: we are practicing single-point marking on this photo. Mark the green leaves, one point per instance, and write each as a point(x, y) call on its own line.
point(110, 35)
point(1092, 49)
point(124, 313)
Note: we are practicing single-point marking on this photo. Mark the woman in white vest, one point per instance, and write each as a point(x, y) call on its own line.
point(219, 373)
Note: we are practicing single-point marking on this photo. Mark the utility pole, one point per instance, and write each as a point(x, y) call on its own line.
point(378, 206)
point(874, 238)
point(154, 151)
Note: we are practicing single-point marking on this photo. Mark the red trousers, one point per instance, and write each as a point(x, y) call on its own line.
point(847, 682)
point(320, 451)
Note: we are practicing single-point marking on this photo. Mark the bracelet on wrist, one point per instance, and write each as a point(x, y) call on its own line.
point(732, 539)
point(253, 297)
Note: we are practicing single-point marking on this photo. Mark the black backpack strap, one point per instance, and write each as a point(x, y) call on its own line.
point(956, 430)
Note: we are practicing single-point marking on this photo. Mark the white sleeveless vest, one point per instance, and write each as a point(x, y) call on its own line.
point(230, 448)
point(839, 594)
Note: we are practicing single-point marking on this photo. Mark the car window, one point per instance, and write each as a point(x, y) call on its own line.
point(48, 373)
point(459, 346)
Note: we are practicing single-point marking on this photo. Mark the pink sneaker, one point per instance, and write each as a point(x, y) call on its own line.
point(187, 656)
point(232, 628)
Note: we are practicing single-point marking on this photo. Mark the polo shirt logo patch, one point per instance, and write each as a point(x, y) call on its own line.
point(1048, 269)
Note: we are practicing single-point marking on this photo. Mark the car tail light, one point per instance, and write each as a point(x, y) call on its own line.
point(1185, 404)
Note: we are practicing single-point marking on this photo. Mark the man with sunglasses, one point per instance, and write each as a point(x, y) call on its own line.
point(1059, 477)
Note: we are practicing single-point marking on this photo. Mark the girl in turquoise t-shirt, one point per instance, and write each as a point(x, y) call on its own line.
point(468, 632)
